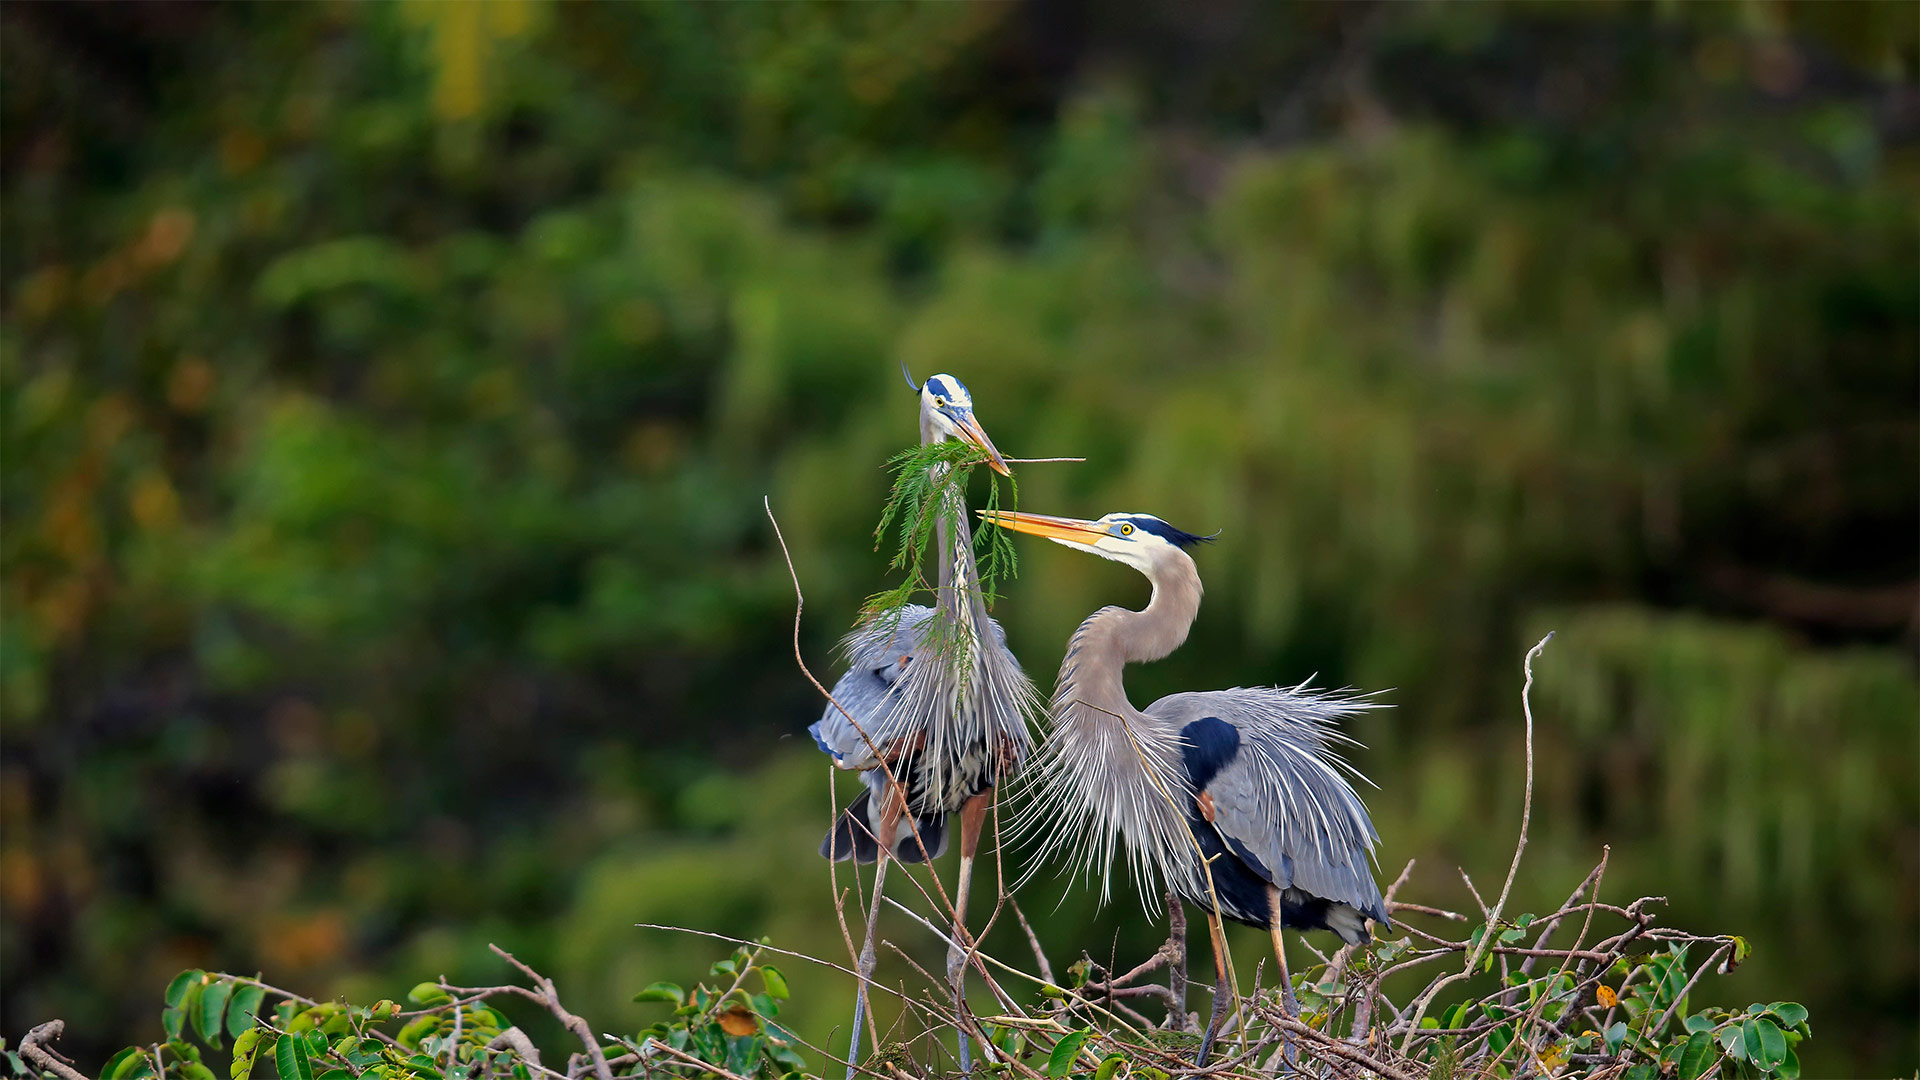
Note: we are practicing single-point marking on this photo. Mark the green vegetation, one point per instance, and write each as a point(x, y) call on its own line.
point(727, 1029)
point(928, 480)
point(388, 393)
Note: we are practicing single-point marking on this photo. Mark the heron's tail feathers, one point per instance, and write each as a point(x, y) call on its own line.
point(852, 836)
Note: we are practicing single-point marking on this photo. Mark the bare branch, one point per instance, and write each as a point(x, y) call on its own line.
point(46, 1057)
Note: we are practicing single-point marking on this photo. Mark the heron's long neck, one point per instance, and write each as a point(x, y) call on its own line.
point(1090, 690)
point(955, 546)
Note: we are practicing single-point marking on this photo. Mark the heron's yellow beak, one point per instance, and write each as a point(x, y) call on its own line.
point(1065, 530)
point(971, 431)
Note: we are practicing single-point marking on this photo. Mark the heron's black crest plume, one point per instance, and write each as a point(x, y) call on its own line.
point(1168, 533)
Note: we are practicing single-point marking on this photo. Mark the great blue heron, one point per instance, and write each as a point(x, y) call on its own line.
point(945, 711)
point(1236, 795)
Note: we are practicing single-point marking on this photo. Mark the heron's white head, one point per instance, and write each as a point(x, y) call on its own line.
point(1139, 540)
point(946, 409)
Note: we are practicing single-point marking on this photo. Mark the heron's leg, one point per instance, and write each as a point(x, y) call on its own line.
point(1176, 961)
point(1288, 1006)
point(889, 826)
point(1220, 990)
point(972, 816)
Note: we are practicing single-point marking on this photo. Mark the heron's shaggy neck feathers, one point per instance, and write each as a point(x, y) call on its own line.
point(1110, 774)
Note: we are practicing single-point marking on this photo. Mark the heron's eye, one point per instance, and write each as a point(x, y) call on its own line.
point(940, 402)
point(1126, 529)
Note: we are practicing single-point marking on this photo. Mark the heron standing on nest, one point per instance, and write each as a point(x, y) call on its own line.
point(1236, 799)
point(935, 714)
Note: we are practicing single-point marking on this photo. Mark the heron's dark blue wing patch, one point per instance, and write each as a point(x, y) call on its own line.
point(1209, 744)
point(850, 837)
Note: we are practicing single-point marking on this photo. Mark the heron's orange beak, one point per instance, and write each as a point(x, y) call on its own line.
point(1065, 530)
point(971, 431)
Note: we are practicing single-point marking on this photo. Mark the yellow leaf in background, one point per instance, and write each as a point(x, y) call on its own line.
point(464, 35)
point(154, 503)
point(1607, 997)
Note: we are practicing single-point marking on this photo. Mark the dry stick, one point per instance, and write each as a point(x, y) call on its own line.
point(1176, 953)
point(1038, 460)
point(706, 1066)
point(1667, 1017)
point(1396, 907)
point(772, 949)
point(1333, 1045)
point(1006, 999)
point(46, 1057)
point(548, 996)
point(516, 1040)
point(1553, 920)
point(1526, 818)
point(1481, 904)
point(1534, 1013)
point(1033, 940)
point(1363, 1012)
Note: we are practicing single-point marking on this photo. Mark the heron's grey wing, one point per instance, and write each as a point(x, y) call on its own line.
point(1279, 794)
point(877, 655)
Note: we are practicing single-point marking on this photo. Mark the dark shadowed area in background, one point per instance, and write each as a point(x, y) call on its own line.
point(389, 392)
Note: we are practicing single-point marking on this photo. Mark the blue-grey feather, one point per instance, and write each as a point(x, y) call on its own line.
point(1280, 800)
point(878, 657)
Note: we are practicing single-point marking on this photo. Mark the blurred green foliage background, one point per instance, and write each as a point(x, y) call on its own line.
point(389, 392)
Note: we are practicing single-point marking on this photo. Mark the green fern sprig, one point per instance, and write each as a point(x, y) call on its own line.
point(924, 480)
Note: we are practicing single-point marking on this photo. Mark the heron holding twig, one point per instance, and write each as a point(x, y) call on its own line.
point(932, 710)
point(1236, 799)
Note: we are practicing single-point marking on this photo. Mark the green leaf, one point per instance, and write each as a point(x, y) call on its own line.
point(418, 1028)
point(721, 967)
point(1642, 1071)
point(172, 1021)
point(1791, 1013)
point(1616, 1034)
point(1766, 1044)
point(316, 1044)
point(428, 994)
point(1060, 1062)
point(1696, 1056)
point(1790, 1065)
point(243, 1008)
point(245, 1045)
point(177, 989)
point(122, 1064)
point(776, 982)
point(211, 1016)
point(1698, 1022)
point(290, 1059)
point(1108, 1066)
point(662, 991)
point(189, 1007)
point(193, 1070)
point(1730, 1042)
